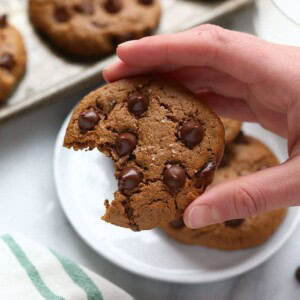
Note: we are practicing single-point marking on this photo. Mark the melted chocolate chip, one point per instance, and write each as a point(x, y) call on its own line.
point(146, 2)
point(206, 175)
point(85, 7)
point(3, 21)
point(297, 274)
point(130, 178)
point(113, 6)
point(177, 224)
point(174, 176)
point(192, 133)
point(7, 61)
point(88, 120)
point(125, 143)
point(234, 223)
point(61, 14)
point(137, 104)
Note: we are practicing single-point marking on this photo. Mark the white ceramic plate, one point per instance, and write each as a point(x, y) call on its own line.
point(85, 179)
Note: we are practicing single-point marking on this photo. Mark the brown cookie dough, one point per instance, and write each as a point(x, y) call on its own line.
point(12, 58)
point(247, 156)
point(93, 28)
point(232, 129)
point(165, 144)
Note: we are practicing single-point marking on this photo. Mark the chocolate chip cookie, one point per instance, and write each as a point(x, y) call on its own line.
point(12, 57)
point(232, 129)
point(166, 145)
point(247, 155)
point(93, 28)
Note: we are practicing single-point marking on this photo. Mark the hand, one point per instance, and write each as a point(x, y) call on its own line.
point(241, 77)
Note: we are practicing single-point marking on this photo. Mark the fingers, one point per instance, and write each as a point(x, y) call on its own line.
point(246, 58)
point(249, 195)
point(232, 108)
point(200, 78)
point(121, 70)
point(194, 78)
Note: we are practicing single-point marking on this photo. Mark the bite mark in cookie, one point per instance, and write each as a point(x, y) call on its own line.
point(139, 127)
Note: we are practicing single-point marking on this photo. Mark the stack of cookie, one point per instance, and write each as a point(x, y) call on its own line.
point(243, 155)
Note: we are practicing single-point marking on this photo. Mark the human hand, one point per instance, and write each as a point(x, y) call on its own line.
point(241, 77)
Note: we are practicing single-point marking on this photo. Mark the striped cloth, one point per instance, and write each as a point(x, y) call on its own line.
point(30, 271)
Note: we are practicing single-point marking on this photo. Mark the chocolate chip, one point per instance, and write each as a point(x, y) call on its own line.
point(137, 103)
point(206, 175)
point(297, 274)
point(241, 139)
point(234, 223)
point(61, 14)
point(85, 7)
point(3, 21)
point(192, 133)
point(7, 61)
point(177, 224)
point(130, 178)
point(113, 6)
point(119, 39)
point(146, 2)
point(174, 176)
point(88, 120)
point(125, 143)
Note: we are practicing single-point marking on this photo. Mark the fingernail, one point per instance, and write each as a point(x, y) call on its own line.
point(202, 215)
point(103, 74)
point(129, 43)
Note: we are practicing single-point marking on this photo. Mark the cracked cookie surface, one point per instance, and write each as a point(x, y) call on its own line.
point(164, 141)
point(12, 57)
point(93, 28)
point(246, 155)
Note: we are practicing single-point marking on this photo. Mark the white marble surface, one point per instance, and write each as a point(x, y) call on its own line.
point(29, 204)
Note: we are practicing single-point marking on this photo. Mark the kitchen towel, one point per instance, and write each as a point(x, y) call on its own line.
point(30, 271)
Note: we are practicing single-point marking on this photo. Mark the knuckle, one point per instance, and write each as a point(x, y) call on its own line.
point(212, 38)
point(246, 202)
point(213, 32)
point(217, 34)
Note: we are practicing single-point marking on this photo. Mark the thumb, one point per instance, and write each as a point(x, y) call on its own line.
point(261, 191)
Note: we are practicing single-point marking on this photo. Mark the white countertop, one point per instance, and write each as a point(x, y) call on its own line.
point(29, 205)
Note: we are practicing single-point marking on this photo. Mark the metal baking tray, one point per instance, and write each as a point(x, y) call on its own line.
point(50, 75)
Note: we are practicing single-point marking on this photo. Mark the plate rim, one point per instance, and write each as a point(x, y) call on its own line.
point(222, 275)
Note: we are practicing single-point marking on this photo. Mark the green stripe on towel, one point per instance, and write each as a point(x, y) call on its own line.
point(30, 269)
point(80, 278)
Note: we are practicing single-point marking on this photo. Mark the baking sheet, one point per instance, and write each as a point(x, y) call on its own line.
point(49, 75)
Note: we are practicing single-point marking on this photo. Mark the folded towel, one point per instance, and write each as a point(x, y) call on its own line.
point(30, 271)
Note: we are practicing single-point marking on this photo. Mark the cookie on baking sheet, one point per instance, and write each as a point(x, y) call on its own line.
point(247, 155)
point(166, 145)
point(232, 129)
point(12, 57)
point(93, 28)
